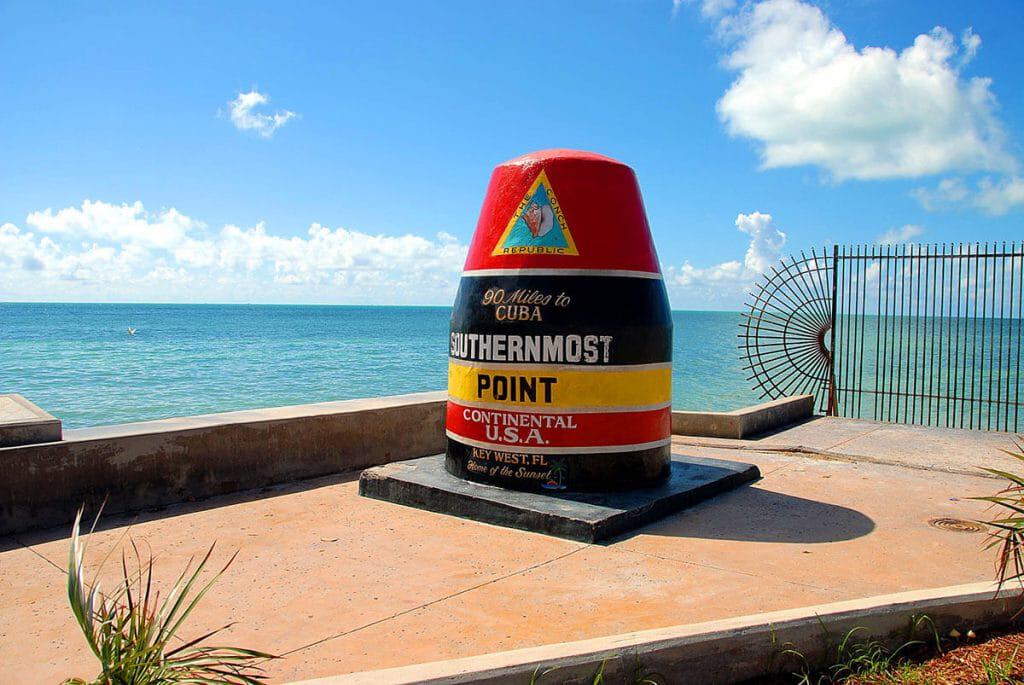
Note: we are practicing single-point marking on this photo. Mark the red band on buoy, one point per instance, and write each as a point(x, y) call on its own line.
point(563, 209)
point(526, 430)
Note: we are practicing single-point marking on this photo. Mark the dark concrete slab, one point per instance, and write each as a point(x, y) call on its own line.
point(588, 517)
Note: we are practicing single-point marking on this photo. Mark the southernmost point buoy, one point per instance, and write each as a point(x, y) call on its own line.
point(559, 365)
point(559, 370)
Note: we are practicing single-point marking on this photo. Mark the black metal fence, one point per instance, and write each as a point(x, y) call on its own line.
point(918, 334)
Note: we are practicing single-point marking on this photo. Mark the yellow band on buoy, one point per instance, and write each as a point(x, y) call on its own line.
point(539, 386)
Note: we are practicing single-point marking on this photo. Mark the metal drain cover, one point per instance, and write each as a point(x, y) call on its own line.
point(957, 525)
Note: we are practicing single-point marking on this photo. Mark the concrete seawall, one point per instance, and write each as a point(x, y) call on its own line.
point(136, 466)
point(745, 422)
point(154, 463)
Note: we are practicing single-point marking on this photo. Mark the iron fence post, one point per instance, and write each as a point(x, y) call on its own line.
point(832, 396)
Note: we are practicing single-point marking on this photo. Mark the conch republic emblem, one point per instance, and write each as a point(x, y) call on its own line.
point(538, 225)
point(560, 354)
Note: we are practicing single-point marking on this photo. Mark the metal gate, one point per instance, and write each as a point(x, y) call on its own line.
point(919, 334)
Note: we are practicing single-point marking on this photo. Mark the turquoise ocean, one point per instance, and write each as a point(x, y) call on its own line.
point(78, 362)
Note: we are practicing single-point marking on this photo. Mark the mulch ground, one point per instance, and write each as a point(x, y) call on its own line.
point(962, 665)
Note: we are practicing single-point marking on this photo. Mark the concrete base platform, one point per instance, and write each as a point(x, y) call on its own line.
point(587, 517)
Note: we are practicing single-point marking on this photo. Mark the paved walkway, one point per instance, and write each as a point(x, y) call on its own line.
point(937, 449)
point(339, 583)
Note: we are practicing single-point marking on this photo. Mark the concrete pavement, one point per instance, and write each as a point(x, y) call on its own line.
point(922, 447)
point(338, 583)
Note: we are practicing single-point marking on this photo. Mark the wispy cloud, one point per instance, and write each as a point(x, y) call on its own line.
point(709, 9)
point(902, 234)
point(244, 116)
point(971, 42)
point(992, 196)
point(997, 197)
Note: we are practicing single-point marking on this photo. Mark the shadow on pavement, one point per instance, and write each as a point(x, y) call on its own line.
point(756, 515)
point(125, 519)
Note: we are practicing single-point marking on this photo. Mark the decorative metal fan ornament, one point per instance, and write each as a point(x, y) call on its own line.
point(785, 332)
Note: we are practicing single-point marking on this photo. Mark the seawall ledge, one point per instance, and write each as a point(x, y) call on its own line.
point(149, 464)
point(745, 422)
point(251, 416)
point(23, 423)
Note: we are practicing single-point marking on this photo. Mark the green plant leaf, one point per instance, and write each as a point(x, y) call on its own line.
point(128, 630)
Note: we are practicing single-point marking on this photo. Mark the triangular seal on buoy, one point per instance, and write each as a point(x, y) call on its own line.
point(538, 225)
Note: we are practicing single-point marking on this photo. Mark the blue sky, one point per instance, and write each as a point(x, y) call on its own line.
point(139, 158)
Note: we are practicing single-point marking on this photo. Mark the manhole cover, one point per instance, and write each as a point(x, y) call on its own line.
point(957, 525)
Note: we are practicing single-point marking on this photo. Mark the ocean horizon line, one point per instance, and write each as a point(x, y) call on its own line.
point(102, 363)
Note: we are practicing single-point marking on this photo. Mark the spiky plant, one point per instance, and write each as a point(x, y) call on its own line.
point(132, 632)
point(1007, 531)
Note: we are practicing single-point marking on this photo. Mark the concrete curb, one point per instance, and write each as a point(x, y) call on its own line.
point(745, 422)
point(718, 652)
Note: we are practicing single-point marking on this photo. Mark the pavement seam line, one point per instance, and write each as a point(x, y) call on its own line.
point(434, 601)
point(40, 555)
point(776, 469)
point(855, 437)
point(767, 453)
point(799, 451)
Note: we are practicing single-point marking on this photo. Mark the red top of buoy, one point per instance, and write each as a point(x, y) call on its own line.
point(563, 209)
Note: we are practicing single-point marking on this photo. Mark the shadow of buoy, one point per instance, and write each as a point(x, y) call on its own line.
point(756, 515)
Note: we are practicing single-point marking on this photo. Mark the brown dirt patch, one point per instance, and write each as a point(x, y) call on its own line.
point(998, 659)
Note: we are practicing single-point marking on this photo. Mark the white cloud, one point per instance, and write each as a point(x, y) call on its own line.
point(325, 254)
point(19, 249)
point(903, 234)
point(115, 223)
point(766, 241)
point(948, 192)
point(994, 197)
point(999, 197)
point(245, 118)
point(726, 282)
point(123, 251)
point(810, 97)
